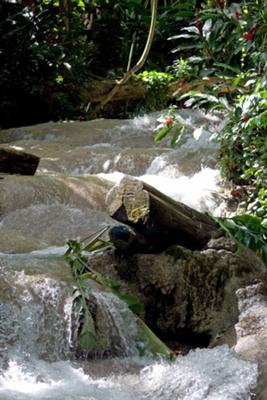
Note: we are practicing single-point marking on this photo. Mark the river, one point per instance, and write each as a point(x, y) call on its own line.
point(65, 200)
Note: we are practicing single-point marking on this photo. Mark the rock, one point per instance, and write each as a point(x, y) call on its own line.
point(251, 328)
point(17, 162)
point(188, 295)
point(222, 244)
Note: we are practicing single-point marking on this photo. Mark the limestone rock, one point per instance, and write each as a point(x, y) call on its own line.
point(187, 292)
point(251, 328)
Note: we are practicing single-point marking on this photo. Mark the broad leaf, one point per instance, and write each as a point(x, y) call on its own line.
point(162, 133)
point(87, 335)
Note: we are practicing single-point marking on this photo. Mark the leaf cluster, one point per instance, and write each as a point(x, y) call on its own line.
point(249, 230)
point(77, 257)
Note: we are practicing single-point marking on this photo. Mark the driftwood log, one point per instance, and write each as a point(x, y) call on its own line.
point(156, 221)
point(18, 162)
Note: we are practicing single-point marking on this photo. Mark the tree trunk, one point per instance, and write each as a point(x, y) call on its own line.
point(64, 7)
point(160, 219)
point(18, 162)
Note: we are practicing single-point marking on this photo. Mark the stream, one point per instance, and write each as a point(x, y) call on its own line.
point(80, 162)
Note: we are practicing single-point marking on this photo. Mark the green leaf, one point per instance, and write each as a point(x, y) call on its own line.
point(192, 29)
point(154, 344)
point(248, 230)
point(188, 47)
point(87, 335)
point(162, 133)
point(97, 245)
point(132, 301)
point(95, 236)
point(206, 29)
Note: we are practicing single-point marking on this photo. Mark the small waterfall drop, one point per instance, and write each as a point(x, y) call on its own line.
point(120, 323)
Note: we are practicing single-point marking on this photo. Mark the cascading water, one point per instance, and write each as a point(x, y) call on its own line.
point(65, 200)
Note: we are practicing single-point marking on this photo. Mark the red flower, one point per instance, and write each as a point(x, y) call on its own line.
point(237, 14)
point(198, 23)
point(244, 117)
point(249, 36)
point(235, 193)
point(169, 121)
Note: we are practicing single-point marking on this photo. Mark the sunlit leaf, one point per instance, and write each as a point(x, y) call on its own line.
point(162, 133)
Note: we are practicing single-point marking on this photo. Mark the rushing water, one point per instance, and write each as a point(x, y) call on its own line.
point(66, 200)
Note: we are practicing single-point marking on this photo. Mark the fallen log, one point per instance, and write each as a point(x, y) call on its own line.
point(97, 89)
point(17, 162)
point(161, 220)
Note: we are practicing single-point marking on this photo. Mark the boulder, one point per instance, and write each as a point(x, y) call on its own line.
point(189, 295)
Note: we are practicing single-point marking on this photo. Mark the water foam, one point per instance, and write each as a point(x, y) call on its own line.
point(215, 374)
point(200, 191)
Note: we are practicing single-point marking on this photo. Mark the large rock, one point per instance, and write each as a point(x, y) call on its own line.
point(187, 294)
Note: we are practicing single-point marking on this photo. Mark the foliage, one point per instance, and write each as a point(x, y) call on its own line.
point(243, 145)
point(78, 263)
point(77, 257)
point(47, 54)
point(157, 85)
point(182, 69)
point(169, 123)
point(154, 80)
point(249, 230)
point(42, 64)
point(206, 100)
point(222, 38)
point(230, 43)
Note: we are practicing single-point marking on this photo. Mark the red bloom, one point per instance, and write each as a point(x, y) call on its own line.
point(237, 14)
point(249, 36)
point(244, 117)
point(235, 193)
point(198, 23)
point(169, 121)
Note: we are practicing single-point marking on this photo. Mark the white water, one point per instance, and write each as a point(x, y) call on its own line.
point(63, 201)
point(198, 376)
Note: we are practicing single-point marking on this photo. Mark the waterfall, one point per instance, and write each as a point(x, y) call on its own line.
point(35, 316)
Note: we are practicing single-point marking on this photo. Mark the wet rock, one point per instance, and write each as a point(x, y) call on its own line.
point(187, 294)
point(222, 243)
point(251, 328)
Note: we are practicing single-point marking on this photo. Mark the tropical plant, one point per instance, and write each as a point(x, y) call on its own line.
point(249, 230)
point(243, 145)
point(181, 69)
point(77, 257)
point(157, 84)
point(169, 123)
point(42, 63)
point(223, 38)
point(230, 43)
